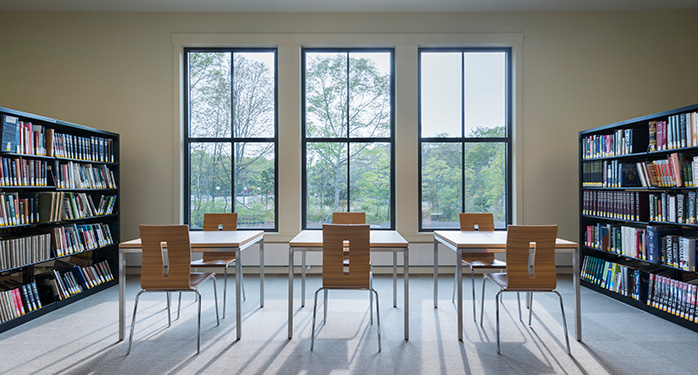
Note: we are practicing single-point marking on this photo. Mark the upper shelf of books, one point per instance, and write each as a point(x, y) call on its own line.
point(664, 132)
point(24, 134)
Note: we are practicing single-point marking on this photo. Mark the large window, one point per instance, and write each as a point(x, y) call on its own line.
point(465, 135)
point(230, 136)
point(348, 142)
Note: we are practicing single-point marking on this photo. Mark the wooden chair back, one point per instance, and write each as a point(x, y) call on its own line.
point(530, 257)
point(335, 239)
point(165, 244)
point(348, 218)
point(483, 221)
point(217, 222)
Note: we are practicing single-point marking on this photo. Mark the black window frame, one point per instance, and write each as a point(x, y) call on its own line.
point(462, 139)
point(347, 140)
point(188, 140)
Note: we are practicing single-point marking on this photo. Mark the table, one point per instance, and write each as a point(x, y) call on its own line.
point(495, 242)
point(203, 241)
point(381, 241)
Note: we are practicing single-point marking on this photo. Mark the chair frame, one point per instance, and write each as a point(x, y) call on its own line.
point(333, 270)
point(179, 268)
point(468, 222)
point(217, 222)
point(519, 236)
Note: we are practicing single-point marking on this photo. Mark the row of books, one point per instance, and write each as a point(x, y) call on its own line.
point(652, 244)
point(616, 204)
point(674, 171)
point(18, 209)
point(70, 239)
point(92, 148)
point(673, 208)
point(622, 279)
point(23, 137)
point(73, 175)
point(57, 206)
point(17, 299)
point(676, 132)
point(17, 252)
point(67, 279)
point(23, 172)
point(620, 142)
point(673, 296)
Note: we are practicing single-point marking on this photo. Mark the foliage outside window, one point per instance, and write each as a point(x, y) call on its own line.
point(465, 146)
point(348, 135)
point(231, 141)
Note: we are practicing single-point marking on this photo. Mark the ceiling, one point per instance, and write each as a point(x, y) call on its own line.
point(268, 6)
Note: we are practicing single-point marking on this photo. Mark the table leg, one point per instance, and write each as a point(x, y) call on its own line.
point(459, 274)
point(122, 291)
point(303, 279)
point(238, 309)
point(290, 292)
point(261, 273)
point(436, 277)
point(406, 276)
point(577, 297)
point(394, 277)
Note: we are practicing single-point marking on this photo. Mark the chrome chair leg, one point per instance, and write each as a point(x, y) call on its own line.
point(378, 320)
point(370, 285)
point(215, 299)
point(324, 318)
point(530, 307)
point(225, 288)
point(472, 280)
point(179, 304)
point(497, 299)
point(133, 321)
point(169, 316)
point(564, 322)
point(455, 281)
point(482, 301)
point(312, 336)
point(198, 326)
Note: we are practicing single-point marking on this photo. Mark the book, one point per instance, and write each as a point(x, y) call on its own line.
point(10, 133)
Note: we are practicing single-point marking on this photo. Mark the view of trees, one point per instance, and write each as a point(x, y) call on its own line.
point(442, 180)
point(232, 110)
point(348, 95)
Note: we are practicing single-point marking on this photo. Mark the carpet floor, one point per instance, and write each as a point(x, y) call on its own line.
point(82, 338)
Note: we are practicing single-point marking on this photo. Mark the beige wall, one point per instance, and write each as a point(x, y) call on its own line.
point(579, 70)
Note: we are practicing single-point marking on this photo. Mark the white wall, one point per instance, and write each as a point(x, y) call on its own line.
point(116, 71)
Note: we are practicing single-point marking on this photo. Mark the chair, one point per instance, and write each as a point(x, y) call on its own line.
point(348, 218)
point(530, 256)
point(338, 274)
point(480, 222)
point(169, 244)
point(216, 222)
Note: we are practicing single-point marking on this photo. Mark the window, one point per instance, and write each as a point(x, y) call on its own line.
point(348, 142)
point(230, 135)
point(465, 135)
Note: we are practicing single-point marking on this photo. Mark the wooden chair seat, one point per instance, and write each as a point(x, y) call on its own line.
point(196, 278)
point(502, 281)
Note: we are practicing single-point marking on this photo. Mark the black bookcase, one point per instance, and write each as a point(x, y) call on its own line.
point(638, 225)
point(59, 207)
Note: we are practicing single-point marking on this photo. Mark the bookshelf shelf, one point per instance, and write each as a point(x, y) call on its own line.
point(54, 249)
point(648, 161)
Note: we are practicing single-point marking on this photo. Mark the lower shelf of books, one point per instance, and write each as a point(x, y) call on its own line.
point(45, 309)
point(643, 306)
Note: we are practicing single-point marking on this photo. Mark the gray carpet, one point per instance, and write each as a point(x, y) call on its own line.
point(82, 338)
